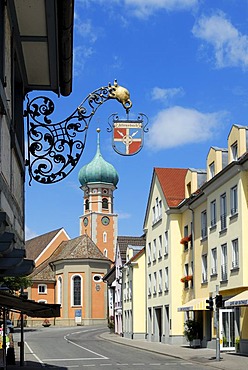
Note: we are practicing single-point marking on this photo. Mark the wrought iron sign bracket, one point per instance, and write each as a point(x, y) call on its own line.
point(53, 148)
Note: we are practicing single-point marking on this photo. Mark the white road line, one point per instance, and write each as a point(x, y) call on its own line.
point(86, 349)
point(32, 353)
point(138, 364)
point(73, 359)
point(154, 364)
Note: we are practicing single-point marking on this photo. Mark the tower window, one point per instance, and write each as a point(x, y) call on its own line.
point(104, 237)
point(105, 203)
point(105, 252)
point(87, 205)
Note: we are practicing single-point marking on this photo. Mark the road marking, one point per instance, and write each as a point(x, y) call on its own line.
point(139, 364)
point(32, 353)
point(86, 349)
point(73, 359)
point(155, 364)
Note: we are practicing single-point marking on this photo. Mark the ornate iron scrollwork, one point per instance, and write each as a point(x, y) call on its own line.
point(53, 148)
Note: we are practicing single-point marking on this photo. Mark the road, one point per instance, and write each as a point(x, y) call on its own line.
point(81, 347)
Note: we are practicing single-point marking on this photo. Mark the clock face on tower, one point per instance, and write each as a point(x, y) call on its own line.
point(85, 221)
point(105, 220)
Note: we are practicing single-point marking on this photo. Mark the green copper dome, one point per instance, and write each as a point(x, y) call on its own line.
point(98, 170)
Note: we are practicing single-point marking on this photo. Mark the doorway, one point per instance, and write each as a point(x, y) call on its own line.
point(158, 324)
point(227, 330)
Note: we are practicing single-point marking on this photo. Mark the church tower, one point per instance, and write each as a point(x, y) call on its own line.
point(98, 181)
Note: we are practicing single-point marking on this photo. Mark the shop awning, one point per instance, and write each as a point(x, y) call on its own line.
point(240, 299)
point(28, 307)
point(193, 305)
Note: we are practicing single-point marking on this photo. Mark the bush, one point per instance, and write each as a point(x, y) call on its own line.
point(191, 330)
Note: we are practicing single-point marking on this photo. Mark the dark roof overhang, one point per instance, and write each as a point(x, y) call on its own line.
point(43, 34)
point(28, 307)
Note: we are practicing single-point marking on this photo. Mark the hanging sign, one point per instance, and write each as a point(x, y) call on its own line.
point(128, 135)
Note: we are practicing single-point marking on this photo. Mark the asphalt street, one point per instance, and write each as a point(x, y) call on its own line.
point(82, 347)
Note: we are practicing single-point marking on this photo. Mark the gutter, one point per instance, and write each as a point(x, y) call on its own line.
point(65, 26)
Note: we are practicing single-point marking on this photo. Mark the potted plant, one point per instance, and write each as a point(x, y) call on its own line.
point(192, 333)
point(237, 343)
point(46, 323)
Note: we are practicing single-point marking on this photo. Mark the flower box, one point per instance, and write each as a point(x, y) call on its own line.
point(186, 239)
point(186, 278)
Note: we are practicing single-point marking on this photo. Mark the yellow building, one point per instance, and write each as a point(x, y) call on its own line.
point(219, 218)
point(162, 226)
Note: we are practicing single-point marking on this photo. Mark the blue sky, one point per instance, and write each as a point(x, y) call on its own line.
point(185, 63)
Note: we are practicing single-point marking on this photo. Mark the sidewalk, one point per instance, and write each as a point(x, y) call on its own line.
point(204, 356)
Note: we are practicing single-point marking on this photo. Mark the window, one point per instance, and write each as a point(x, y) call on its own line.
point(160, 283)
point(204, 224)
point(87, 204)
point(125, 292)
point(166, 279)
point(223, 211)
point(105, 203)
point(149, 284)
point(234, 200)
point(235, 254)
point(166, 242)
point(105, 252)
point(160, 246)
point(76, 291)
point(224, 262)
point(214, 261)
point(154, 250)
point(186, 273)
point(204, 268)
point(154, 283)
point(149, 252)
point(157, 210)
point(97, 278)
point(104, 237)
point(211, 170)
point(153, 215)
point(42, 289)
point(59, 291)
point(234, 150)
point(160, 210)
point(130, 289)
point(186, 234)
point(213, 213)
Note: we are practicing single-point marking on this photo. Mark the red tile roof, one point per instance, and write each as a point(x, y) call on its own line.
point(172, 181)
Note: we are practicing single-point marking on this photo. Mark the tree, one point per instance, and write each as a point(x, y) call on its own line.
point(14, 284)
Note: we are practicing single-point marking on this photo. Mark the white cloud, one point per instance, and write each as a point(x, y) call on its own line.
point(230, 46)
point(123, 215)
point(144, 8)
point(179, 126)
point(165, 94)
point(80, 56)
point(29, 234)
point(86, 30)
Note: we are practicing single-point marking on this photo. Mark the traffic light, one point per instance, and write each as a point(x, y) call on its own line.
point(210, 303)
point(218, 301)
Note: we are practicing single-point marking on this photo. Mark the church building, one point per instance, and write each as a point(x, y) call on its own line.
point(70, 271)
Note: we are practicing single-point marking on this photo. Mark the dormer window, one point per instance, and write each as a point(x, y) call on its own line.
point(234, 149)
point(211, 170)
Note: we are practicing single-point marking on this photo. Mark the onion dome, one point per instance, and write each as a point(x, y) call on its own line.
point(98, 170)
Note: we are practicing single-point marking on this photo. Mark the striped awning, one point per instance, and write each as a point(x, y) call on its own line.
point(240, 299)
point(196, 304)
